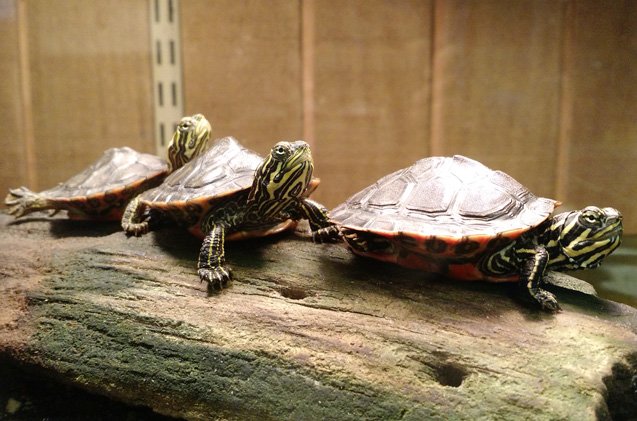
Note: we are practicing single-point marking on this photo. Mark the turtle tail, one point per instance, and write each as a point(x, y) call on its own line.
point(133, 220)
point(22, 201)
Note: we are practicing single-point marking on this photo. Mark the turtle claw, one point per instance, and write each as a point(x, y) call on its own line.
point(217, 278)
point(330, 234)
point(546, 300)
point(18, 193)
point(136, 230)
point(22, 201)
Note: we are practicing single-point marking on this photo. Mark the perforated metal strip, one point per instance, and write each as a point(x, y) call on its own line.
point(167, 71)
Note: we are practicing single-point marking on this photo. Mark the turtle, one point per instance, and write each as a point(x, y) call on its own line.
point(101, 191)
point(230, 192)
point(457, 217)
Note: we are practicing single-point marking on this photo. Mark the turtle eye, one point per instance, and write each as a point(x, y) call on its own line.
point(591, 218)
point(280, 152)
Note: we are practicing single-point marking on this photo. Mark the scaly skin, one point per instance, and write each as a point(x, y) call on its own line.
point(278, 193)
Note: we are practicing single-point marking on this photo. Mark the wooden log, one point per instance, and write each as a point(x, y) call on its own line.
point(304, 332)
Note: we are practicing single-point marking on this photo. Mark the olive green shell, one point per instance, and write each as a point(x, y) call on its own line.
point(116, 169)
point(223, 169)
point(445, 197)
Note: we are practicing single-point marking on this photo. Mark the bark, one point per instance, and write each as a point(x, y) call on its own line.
point(304, 332)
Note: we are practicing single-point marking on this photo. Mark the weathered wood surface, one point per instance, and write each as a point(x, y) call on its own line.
point(304, 332)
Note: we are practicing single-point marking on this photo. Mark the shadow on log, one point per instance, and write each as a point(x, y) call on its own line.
point(304, 332)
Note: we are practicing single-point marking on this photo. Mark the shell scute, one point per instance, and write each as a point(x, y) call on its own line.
point(390, 194)
point(508, 183)
point(435, 196)
point(214, 175)
point(487, 204)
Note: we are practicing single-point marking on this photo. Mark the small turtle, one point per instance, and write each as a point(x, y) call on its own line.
point(230, 192)
point(455, 216)
point(102, 190)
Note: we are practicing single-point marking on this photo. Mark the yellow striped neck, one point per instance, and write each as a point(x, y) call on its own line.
point(582, 239)
point(190, 138)
point(572, 240)
point(281, 179)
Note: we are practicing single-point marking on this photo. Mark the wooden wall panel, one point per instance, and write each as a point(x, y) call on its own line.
point(496, 85)
point(242, 68)
point(90, 82)
point(541, 89)
point(371, 91)
point(600, 120)
point(13, 170)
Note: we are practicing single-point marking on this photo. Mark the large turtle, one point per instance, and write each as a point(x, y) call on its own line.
point(455, 216)
point(230, 192)
point(102, 190)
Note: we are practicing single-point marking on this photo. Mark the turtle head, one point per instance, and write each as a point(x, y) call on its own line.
point(283, 176)
point(588, 235)
point(190, 138)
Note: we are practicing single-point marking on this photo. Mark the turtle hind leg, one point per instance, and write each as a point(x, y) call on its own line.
point(211, 266)
point(22, 201)
point(134, 221)
point(367, 243)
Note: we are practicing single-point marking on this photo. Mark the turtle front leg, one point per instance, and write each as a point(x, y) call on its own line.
point(323, 230)
point(211, 266)
point(534, 261)
point(133, 221)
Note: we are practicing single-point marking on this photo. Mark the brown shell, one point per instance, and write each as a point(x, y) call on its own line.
point(225, 168)
point(118, 169)
point(444, 197)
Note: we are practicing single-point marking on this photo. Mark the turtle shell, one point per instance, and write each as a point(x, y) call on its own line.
point(451, 208)
point(221, 177)
point(225, 168)
point(102, 190)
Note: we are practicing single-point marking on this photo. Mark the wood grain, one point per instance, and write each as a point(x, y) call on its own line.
point(372, 70)
point(304, 332)
point(496, 86)
point(242, 68)
point(91, 83)
point(600, 122)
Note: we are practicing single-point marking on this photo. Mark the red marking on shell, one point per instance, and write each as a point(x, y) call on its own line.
point(442, 214)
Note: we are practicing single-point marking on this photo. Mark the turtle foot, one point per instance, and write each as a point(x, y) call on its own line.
point(22, 201)
point(329, 234)
point(546, 300)
point(136, 230)
point(216, 278)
